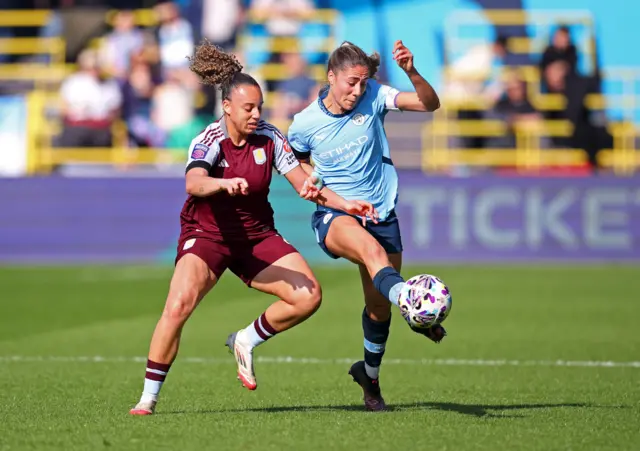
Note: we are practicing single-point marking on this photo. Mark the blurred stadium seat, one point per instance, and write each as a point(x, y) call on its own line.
point(436, 141)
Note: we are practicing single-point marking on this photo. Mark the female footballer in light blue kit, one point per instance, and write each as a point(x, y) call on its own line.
point(343, 133)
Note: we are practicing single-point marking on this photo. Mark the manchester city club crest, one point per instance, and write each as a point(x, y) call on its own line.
point(260, 156)
point(358, 119)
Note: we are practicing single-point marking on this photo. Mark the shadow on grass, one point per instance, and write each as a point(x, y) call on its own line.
point(474, 410)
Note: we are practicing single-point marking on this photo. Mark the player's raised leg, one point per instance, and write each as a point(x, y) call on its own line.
point(291, 280)
point(191, 281)
point(348, 239)
point(376, 322)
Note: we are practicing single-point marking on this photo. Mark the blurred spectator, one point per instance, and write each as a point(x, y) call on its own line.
point(589, 131)
point(475, 76)
point(89, 105)
point(515, 109)
point(560, 49)
point(283, 18)
point(297, 90)
point(221, 20)
point(172, 105)
point(120, 44)
point(174, 36)
point(477, 69)
point(514, 106)
point(138, 91)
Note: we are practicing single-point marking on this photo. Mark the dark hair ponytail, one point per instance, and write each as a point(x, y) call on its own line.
point(218, 68)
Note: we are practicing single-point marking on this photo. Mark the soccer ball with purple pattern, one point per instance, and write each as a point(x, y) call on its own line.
point(425, 301)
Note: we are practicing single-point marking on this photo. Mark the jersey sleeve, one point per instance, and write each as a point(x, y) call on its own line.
point(204, 150)
point(284, 160)
point(298, 142)
point(385, 97)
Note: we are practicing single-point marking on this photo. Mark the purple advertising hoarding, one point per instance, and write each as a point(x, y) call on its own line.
point(520, 219)
point(476, 219)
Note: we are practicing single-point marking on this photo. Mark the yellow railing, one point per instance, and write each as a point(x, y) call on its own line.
point(534, 19)
point(25, 17)
point(528, 153)
point(622, 159)
point(276, 72)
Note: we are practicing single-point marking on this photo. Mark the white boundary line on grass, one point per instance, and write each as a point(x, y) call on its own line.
point(341, 361)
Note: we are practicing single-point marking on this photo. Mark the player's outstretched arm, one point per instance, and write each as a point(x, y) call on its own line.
point(425, 97)
point(199, 184)
point(306, 165)
point(305, 185)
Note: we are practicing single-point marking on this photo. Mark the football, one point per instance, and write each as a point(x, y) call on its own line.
point(424, 301)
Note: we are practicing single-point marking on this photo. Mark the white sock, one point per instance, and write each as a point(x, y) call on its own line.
point(151, 390)
point(256, 333)
point(372, 371)
point(152, 385)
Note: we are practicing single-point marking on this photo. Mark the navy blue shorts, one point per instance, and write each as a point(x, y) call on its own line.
point(386, 232)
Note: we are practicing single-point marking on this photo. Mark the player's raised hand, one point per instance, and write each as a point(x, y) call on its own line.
point(403, 56)
point(234, 186)
point(363, 209)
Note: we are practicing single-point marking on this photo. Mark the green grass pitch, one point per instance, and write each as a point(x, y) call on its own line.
point(541, 357)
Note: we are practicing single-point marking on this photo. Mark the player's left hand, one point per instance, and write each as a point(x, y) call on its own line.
point(309, 190)
point(403, 56)
point(363, 209)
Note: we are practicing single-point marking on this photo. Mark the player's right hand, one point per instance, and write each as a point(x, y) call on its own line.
point(236, 185)
point(363, 209)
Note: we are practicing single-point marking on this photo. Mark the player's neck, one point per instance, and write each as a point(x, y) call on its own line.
point(238, 139)
point(332, 106)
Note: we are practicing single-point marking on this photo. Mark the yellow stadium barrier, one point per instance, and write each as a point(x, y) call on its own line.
point(538, 19)
point(24, 17)
point(326, 16)
point(437, 155)
point(34, 46)
point(277, 72)
point(35, 72)
point(142, 17)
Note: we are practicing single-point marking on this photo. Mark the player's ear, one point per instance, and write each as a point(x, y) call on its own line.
point(331, 77)
point(226, 106)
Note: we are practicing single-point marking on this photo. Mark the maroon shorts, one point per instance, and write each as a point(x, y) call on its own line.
point(245, 259)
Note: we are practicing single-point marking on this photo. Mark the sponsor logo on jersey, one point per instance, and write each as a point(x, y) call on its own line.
point(346, 150)
point(260, 156)
point(199, 152)
point(286, 146)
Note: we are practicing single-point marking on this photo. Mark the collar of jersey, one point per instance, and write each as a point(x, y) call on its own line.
point(323, 93)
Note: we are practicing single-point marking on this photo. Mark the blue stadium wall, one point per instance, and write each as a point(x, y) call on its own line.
point(376, 24)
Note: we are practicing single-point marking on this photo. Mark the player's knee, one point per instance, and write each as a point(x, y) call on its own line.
point(375, 255)
point(309, 301)
point(180, 306)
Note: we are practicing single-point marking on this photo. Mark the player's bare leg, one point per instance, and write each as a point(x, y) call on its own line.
point(348, 239)
point(376, 321)
point(291, 280)
point(191, 281)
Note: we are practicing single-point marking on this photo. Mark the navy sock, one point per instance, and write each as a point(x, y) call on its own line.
point(375, 340)
point(389, 282)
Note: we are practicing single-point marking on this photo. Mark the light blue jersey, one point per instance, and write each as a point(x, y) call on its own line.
point(350, 151)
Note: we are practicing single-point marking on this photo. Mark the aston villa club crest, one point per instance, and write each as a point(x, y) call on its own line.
point(260, 156)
